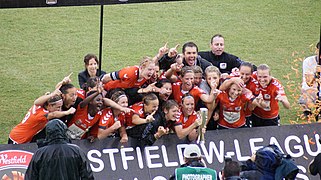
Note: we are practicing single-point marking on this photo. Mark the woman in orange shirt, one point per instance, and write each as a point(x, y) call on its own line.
point(130, 77)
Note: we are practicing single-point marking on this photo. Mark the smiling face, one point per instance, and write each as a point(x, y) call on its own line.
point(166, 90)
point(147, 71)
point(151, 106)
point(190, 55)
point(188, 81)
point(123, 101)
point(217, 46)
point(234, 91)
point(245, 73)
point(92, 66)
point(96, 103)
point(263, 77)
point(172, 114)
point(188, 106)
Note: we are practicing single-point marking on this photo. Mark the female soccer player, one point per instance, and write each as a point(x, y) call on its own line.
point(130, 77)
point(113, 119)
point(232, 106)
point(189, 120)
point(45, 108)
point(187, 86)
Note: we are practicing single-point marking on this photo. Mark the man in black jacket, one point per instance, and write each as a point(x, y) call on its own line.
point(223, 60)
point(191, 57)
point(57, 158)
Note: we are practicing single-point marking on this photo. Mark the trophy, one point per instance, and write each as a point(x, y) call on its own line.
point(203, 113)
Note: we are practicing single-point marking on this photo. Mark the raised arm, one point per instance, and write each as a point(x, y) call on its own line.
point(66, 80)
point(43, 99)
point(59, 114)
point(106, 78)
point(227, 83)
point(114, 105)
point(89, 98)
point(161, 52)
point(209, 98)
point(168, 59)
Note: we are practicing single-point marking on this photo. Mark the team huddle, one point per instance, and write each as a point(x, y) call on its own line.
point(161, 95)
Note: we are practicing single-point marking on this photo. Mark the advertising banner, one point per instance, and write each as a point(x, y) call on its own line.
point(111, 160)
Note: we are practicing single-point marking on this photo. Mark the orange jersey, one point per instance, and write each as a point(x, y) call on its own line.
point(187, 121)
point(162, 76)
point(253, 86)
point(269, 94)
point(81, 123)
point(196, 92)
point(106, 120)
point(34, 121)
point(232, 113)
point(139, 110)
point(128, 78)
point(81, 93)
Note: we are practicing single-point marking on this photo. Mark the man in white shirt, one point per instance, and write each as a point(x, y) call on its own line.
point(309, 88)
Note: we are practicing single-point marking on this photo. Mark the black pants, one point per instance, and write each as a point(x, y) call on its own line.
point(257, 121)
point(221, 127)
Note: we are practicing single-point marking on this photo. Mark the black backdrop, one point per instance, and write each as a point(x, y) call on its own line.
point(110, 161)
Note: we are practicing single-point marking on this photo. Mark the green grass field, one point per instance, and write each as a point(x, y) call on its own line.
point(39, 46)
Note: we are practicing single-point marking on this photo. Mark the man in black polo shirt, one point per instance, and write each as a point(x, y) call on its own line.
point(223, 60)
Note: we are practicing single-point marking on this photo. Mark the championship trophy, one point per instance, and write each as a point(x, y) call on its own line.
point(203, 114)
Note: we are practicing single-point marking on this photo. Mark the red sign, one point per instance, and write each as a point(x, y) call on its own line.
point(13, 164)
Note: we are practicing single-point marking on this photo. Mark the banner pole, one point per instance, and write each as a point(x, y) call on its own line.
point(101, 36)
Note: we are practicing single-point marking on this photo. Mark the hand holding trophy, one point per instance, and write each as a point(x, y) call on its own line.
point(203, 114)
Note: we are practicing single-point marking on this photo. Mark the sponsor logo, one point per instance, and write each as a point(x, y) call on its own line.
point(223, 65)
point(14, 163)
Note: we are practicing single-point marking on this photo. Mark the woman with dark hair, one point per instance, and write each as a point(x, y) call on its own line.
point(91, 69)
point(148, 133)
point(163, 90)
point(88, 113)
point(112, 120)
